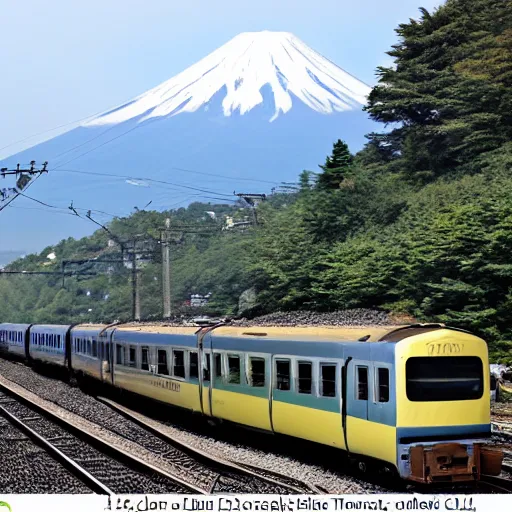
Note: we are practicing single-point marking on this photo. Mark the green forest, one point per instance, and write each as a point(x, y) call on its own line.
point(418, 223)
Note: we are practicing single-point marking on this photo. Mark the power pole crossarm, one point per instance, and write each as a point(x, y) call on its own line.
point(23, 179)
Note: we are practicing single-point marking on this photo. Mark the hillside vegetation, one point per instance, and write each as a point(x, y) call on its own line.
point(418, 223)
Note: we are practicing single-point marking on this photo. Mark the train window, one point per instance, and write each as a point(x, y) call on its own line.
point(257, 372)
point(447, 378)
point(144, 363)
point(328, 382)
point(132, 360)
point(362, 383)
point(89, 347)
point(119, 354)
point(234, 369)
point(193, 365)
point(59, 339)
point(162, 362)
point(178, 364)
point(94, 348)
point(305, 379)
point(382, 385)
point(206, 370)
point(283, 374)
point(218, 365)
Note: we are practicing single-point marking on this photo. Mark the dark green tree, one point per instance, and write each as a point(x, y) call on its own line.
point(335, 167)
point(449, 92)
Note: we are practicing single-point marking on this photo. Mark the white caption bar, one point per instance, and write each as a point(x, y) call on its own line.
point(254, 503)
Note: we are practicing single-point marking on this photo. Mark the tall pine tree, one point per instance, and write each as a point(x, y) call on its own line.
point(335, 167)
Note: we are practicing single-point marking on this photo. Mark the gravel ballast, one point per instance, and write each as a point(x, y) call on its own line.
point(344, 318)
point(28, 469)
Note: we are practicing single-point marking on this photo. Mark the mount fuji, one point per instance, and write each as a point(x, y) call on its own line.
point(249, 116)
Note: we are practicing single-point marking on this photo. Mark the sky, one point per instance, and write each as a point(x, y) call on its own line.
point(61, 61)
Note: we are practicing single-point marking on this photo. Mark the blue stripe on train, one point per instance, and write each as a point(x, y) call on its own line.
point(459, 431)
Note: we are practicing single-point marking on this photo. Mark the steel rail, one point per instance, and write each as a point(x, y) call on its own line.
point(122, 456)
point(298, 486)
point(502, 484)
point(83, 475)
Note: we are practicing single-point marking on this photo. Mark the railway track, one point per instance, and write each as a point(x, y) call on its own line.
point(100, 467)
point(262, 480)
point(496, 483)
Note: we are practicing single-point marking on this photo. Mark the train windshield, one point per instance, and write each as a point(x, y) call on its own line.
point(441, 379)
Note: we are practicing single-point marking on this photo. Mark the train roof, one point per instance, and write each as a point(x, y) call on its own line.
point(92, 327)
point(369, 333)
point(50, 326)
point(158, 329)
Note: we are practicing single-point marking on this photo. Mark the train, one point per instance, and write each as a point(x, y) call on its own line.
point(413, 399)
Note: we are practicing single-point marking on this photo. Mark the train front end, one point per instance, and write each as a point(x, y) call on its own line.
point(443, 408)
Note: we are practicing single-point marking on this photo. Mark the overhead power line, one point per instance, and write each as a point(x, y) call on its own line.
point(152, 180)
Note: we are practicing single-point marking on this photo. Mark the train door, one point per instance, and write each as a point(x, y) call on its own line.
point(204, 342)
point(358, 388)
point(105, 356)
point(282, 388)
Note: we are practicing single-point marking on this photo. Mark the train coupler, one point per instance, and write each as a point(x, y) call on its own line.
point(448, 462)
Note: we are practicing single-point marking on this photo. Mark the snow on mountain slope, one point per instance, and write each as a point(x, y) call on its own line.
point(244, 65)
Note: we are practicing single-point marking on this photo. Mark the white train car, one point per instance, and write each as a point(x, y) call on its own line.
point(47, 344)
point(87, 350)
point(12, 338)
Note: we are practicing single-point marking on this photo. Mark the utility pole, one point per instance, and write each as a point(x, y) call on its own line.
point(23, 178)
point(252, 200)
point(165, 240)
point(166, 269)
point(135, 286)
point(134, 274)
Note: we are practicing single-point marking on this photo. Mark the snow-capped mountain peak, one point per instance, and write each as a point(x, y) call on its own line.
point(244, 65)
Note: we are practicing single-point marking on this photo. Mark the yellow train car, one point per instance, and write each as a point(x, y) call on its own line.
point(411, 397)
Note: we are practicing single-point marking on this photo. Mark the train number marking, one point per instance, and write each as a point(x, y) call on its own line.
point(437, 349)
point(166, 384)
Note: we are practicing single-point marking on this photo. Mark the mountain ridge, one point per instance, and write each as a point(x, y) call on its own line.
point(244, 65)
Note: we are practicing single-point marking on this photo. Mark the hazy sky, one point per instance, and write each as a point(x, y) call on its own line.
point(61, 60)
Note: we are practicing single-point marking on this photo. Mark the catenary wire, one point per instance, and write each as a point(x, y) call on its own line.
point(110, 175)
